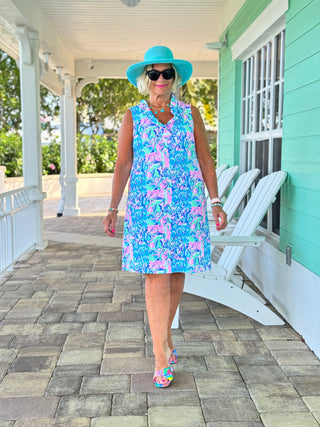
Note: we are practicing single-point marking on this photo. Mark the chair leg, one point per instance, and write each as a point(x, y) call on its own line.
point(226, 293)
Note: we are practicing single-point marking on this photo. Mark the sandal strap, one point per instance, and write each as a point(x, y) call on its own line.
point(163, 376)
point(163, 372)
point(173, 357)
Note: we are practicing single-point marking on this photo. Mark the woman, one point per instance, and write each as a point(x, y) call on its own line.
point(164, 149)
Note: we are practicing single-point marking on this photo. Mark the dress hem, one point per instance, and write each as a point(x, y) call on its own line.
point(167, 272)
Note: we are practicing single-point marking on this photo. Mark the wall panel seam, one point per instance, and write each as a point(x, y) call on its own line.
point(301, 35)
point(293, 16)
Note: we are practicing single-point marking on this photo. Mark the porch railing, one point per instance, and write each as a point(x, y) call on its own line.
point(16, 225)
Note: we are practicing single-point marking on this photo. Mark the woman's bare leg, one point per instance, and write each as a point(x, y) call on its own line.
point(157, 292)
point(176, 289)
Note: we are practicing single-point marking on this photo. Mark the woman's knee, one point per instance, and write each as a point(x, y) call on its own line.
point(157, 277)
point(178, 275)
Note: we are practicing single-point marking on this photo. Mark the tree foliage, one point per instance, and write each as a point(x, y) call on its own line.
point(10, 104)
point(110, 98)
point(101, 106)
point(202, 93)
point(10, 98)
point(106, 100)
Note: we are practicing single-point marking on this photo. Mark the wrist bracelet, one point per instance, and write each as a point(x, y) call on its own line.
point(215, 200)
point(113, 209)
point(216, 204)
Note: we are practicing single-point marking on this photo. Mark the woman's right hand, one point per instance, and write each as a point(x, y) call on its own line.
point(109, 223)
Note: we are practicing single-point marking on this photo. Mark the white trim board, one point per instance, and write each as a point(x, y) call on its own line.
point(268, 23)
point(293, 290)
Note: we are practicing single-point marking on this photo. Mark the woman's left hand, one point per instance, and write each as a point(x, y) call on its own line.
point(220, 217)
point(109, 223)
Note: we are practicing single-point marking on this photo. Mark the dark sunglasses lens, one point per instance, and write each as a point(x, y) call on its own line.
point(168, 74)
point(153, 74)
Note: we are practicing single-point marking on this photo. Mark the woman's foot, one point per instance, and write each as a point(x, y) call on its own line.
point(173, 357)
point(163, 377)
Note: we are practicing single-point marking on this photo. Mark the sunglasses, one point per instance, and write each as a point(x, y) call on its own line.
point(167, 74)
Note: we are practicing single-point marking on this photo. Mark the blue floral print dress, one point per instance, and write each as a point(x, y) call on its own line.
point(166, 226)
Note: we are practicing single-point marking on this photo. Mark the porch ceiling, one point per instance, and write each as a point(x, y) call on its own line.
point(100, 38)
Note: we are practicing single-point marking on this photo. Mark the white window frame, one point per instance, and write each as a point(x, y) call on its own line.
point(268, 23)
point(251, 92)
point(261, 118)
point(260, 39)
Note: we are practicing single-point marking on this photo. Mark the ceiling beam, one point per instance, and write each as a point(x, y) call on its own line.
point(18, 12)
point(117, 69)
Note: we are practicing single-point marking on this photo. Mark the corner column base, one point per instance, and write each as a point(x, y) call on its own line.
point(71, 212)
point(41, 245)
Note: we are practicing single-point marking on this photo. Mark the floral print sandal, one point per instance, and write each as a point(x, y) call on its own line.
point(163, 377)
point(173, 357)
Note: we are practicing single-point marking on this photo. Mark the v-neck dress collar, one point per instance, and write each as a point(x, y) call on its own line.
point(173, 107)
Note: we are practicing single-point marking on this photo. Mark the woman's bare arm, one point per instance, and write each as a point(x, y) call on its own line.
point(122, 170)
point(207, 166)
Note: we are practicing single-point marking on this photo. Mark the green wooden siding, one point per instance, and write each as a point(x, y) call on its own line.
point(300, 199)
point(229, 110)
point(297, 77)
point(300, 219)
point(230, 85)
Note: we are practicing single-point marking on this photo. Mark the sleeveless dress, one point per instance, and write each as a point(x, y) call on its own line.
point(166, 226)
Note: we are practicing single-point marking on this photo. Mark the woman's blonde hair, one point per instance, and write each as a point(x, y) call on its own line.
point(143, 81)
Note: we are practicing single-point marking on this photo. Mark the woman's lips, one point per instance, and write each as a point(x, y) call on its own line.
point(161, 85)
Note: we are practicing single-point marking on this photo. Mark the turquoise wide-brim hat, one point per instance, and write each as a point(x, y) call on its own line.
point(160, 55)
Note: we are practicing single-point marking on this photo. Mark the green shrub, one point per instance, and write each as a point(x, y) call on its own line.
point(51, 158)
point(95, 154)
point(11, 153)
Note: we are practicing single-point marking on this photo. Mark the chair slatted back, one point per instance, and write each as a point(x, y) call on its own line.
point(225, 179)
point(261, 199)
point(220, 169)
point(239, 191)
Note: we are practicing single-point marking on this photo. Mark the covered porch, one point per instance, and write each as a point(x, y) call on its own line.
point(76, 349)
point(66, 45)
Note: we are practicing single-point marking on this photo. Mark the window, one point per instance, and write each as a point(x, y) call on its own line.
point(261, 124)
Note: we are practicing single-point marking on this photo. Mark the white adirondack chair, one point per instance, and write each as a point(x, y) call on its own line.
point(220, 169)
point(224, 181)
point(220, 284)
point(235, 198)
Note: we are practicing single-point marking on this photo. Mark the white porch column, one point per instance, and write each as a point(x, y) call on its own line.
point(70, 147)
point(62, 161)
point(31, 138)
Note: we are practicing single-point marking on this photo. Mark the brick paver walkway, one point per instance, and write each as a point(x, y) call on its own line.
point(75, 349)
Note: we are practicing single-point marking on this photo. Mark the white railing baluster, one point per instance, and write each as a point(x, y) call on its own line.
point(16, 225)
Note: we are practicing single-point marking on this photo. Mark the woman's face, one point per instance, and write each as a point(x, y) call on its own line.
point(161, 86)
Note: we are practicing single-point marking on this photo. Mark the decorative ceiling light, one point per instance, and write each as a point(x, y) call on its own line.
point(130, 3)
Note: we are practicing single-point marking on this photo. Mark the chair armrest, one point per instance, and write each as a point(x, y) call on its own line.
point(237, 240)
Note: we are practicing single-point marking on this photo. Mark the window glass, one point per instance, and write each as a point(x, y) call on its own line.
point(262, 157)
point(262, 101)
